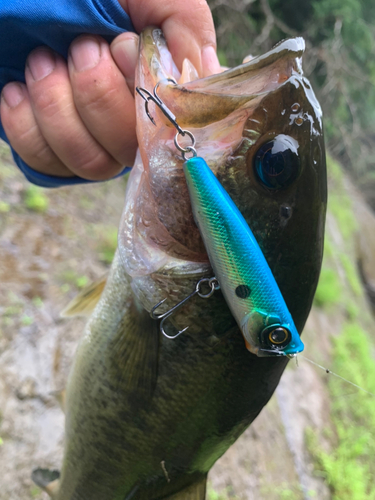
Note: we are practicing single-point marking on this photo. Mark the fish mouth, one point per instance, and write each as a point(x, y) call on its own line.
point(200, 102)
point(159, 241)
point(215, 110)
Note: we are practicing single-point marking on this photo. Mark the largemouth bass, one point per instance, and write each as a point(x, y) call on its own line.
point(147, 417)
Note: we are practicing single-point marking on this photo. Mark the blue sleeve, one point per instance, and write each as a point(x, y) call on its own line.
point(27, 24)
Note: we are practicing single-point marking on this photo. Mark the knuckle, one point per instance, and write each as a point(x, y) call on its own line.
point(98, 167)
point(46, 102)
point(95, 95)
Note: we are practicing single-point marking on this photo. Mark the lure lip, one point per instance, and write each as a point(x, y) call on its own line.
point(254, 339)
point(289, 353)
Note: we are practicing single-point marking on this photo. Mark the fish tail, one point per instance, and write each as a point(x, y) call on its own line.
point(47, 479)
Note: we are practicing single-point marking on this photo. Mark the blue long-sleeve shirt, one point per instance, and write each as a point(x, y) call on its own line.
point(25, 25)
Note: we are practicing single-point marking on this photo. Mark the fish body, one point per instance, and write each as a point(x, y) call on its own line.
point(244, 276)
point(147, 417)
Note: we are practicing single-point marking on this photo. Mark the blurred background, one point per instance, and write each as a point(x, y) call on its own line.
point(316, 437)
point(339, 61)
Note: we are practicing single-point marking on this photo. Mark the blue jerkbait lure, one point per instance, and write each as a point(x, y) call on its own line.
point(245, 278)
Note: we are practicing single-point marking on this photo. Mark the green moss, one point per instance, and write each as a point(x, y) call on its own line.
point(222, 495)
point(4, 207)
point(37, 301)
point(13, 310)
point(222, 58)
point(72, 278)
point(329, 248)
point(108, 244)
point(352, 311)
point(283, 491)
point(35, 491)
point(341, 208)
point(335, 171)
point(350, 468)
point(351, 275)
point(35, 199)
point(82, 281)
point(27, 320)
point(328, 292)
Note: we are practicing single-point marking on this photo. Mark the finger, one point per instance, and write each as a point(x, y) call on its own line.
point(124, 50)
point(187, 26)
point(102, 96)
point(24, 134)
point(53, 105)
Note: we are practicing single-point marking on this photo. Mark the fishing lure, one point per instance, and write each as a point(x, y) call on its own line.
point(240, 267)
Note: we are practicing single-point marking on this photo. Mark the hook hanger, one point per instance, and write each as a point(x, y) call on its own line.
point(211, 282)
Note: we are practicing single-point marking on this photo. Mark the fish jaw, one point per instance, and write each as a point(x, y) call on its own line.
point(158, 234)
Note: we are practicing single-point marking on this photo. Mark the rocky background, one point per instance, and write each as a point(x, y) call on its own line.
point(316, 437)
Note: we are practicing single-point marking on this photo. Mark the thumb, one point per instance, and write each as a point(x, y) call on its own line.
point(187, 26)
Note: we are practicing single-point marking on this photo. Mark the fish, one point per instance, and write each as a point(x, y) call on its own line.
point(243, 274)
point(147, 416)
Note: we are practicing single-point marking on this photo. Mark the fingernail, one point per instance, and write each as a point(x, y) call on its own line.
point(13, 94)
point(41, 63)
point(125, 52)
point(85, 53)
point(210, 62)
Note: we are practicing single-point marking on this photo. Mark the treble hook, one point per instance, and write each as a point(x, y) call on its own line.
point(212, 282)
point(156, 99)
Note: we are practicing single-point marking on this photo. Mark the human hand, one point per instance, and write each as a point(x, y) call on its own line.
point(78, 117)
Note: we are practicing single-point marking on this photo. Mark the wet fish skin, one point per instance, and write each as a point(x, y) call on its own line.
point(138, 405)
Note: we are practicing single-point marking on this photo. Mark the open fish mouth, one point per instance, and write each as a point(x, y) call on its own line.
point(232, 115)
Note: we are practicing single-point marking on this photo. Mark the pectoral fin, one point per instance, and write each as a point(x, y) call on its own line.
point(60, 397)
point(196, 491)
point(47, 479)
point(84, 303)
point(136, 352)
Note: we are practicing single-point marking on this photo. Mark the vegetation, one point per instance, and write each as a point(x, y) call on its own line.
point(349, 468)
point(35, 199)
point(340, 41)
point(348, 465)
point(328, 292)
point(108, 243)
point(215, 495)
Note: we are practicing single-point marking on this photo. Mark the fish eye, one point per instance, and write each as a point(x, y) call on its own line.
point(277, 162)
point(276, 336)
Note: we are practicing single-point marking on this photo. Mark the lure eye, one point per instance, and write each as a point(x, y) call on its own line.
point(276, 336)
point(277, 163)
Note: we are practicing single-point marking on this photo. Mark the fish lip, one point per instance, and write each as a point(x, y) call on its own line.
point(223, 93)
